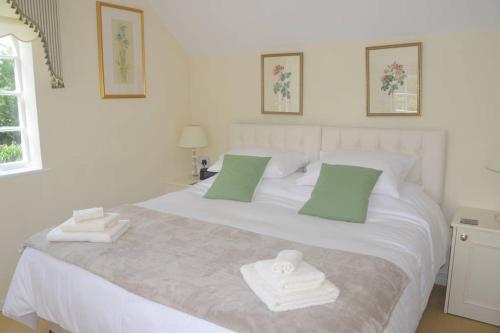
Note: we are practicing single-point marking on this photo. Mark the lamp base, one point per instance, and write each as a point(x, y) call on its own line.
point(194, 171)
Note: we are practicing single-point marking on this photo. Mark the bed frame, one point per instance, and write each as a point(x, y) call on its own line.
point(304, 139)
point(429, 146)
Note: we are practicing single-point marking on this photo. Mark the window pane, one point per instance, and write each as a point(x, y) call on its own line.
point(10, 147)
point(6, 46)
point(7, 76)
point(9, 116)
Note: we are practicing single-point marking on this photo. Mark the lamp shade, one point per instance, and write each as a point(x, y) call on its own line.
point(494, 164)
point(193, 136)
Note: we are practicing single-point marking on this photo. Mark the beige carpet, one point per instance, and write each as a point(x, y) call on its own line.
point(10, 326)
point(433, 320)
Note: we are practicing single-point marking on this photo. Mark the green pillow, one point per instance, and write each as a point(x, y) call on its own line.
point(238, 178)
point(342, 193)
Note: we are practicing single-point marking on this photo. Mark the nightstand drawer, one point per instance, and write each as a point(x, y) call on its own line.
point(475, 275)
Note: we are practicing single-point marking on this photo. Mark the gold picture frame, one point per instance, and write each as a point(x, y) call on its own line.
point(122, 58)
point(394, 80)
point(281, 90)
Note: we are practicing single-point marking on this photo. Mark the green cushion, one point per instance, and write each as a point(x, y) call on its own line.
point(342, 193)
point(238, 178)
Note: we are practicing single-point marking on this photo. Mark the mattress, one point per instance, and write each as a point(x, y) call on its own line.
point(410, 232)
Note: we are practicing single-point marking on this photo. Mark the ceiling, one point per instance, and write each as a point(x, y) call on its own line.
point(215, 27)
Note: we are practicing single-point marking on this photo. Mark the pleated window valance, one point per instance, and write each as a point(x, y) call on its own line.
point(42, 16)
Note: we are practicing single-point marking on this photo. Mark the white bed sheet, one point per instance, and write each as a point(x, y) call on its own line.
point(410, 232)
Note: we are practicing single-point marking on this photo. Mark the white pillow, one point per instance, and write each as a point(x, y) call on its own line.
point(282, 163)
point(395, 167)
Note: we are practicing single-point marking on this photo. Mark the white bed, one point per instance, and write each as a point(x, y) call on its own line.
point(410, 232)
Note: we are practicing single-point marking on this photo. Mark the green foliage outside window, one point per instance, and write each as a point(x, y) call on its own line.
point(10, 153)
point(7, 76)
point(10, 147)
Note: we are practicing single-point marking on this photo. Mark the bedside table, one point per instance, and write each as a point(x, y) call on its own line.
point(181, 183)
point(473, 289)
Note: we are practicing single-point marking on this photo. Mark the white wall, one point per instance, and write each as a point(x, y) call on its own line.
point(108, 152)
point(98, 152)
point(461, 74)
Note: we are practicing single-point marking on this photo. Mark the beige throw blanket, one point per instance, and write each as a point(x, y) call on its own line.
point(193, 266)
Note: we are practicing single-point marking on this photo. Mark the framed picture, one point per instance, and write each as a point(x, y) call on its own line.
point(122, 66)
point(394, 80)
point(281, 86)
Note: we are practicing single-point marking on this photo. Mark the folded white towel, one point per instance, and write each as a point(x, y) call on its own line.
point(304, 277)
point(88, 214)
point(107, 236)
point(109, 220)
point(327, 292)
point(287, 261)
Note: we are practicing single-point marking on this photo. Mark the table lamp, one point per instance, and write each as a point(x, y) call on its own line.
point(193, 137)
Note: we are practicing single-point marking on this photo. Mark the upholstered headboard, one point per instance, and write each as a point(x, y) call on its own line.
point(306, 139)
point(428, 145)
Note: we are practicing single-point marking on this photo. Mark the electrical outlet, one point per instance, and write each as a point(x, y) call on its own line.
point(202, 158)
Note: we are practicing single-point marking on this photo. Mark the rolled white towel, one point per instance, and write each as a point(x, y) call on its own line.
point(107, 236)
point(287, 261)
point(88, 214)
point(325, 293)
point(305, 277)
point(100, 224)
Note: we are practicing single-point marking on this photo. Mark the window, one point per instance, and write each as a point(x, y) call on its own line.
point(19, 143)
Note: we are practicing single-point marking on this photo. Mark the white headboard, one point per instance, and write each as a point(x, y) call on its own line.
point(428, 145)
point(306, 139)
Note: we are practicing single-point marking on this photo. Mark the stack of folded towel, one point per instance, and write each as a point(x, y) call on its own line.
point(89, 225)
point(287, 282)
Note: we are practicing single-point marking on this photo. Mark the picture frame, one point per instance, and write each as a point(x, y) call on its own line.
point(122, 63)
point(282, 76)
point(394, 80)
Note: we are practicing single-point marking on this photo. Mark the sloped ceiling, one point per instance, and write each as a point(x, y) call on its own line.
point(214, 27)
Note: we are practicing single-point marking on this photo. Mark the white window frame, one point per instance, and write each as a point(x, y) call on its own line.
point(26, 106)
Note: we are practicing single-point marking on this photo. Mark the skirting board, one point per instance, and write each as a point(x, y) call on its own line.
point(442, 275)
point(442, 278)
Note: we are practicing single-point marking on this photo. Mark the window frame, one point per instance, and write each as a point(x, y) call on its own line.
point(27, 162)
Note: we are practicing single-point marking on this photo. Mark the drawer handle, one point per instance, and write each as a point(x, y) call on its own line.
point(463, 237)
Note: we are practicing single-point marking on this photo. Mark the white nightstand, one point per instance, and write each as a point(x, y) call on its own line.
point(474, 276)
point(181, 183)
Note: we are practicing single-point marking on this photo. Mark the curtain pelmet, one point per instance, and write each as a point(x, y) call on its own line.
point(42, 16)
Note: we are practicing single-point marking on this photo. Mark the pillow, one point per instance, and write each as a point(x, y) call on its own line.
point(342, 193)
point(282, 164)
point(238, 178)
point(395, 168)
point(401, 164)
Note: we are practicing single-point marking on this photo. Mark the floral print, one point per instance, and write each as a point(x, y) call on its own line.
point(124, 43)
point(282, 85)
point(393, 78)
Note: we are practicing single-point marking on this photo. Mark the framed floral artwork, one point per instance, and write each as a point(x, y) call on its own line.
point(394, 80)
point(281, 86)
point(122, 67)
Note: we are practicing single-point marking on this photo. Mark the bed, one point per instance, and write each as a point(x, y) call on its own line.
point(410, 232)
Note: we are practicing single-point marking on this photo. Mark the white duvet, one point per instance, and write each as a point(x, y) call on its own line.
point(410, 232)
